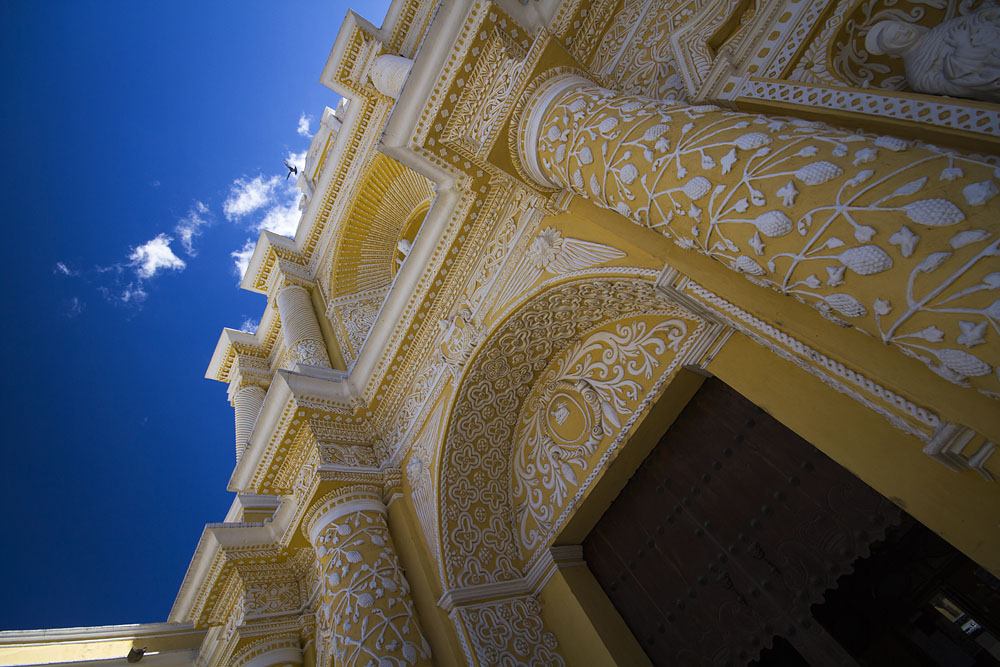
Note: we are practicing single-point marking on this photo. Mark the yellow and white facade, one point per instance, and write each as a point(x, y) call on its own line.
point(527, 236)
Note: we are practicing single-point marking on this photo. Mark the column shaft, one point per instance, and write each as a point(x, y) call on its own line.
point(246, 406)
point(303, 336)
point(889, 236)
point(366, 613)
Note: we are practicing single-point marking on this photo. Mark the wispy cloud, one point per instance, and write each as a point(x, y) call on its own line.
point(273, 201)
point(249, 324)
point(153, 256)
point(62, 269)
point(133, 293)
point(190, 226)
point(241, 257)
point(76, 306)
point(304, 123)
point(247, 196)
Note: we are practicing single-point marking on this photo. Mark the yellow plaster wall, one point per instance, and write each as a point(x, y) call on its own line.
point(112, 643)
point(590, 630)
point(329, 336)
point(421, 573)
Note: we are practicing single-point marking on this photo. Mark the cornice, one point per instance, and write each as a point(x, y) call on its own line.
point(532, 583)
point(320, 391)
point(94, 633)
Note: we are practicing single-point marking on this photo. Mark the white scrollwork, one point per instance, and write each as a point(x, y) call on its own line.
point(419, 472)
point(582, 399)
point(477, 511)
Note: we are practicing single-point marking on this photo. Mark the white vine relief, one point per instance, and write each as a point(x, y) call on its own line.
point(577, 404)
point(366, 616)
point(896, 239)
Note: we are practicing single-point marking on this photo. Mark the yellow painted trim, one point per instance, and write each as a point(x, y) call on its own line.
point(960, 506)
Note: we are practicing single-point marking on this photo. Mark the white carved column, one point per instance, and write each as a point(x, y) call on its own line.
point(388, 74)
point(301, 328)
point(366, 614)
point(281, 650)
point(895, 238)
point(247, 401)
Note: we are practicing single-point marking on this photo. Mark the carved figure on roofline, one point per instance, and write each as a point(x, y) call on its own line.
point(960, 57)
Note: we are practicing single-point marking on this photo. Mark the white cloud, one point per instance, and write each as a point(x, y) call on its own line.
point(241, 257)
point(304, 122)
point(249, 325)
point(190, 226)
point(282, 219)
point(153, 256)
point(245, 196)
point(64, 270)
point(133, 293)
point(297, 160)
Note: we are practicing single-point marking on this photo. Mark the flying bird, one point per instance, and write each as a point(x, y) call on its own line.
point(291, 170)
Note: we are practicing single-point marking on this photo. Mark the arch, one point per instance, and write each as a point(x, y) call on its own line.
point(513, 461)
point(389, 208)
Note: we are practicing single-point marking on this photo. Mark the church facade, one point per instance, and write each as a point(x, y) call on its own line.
point(541, 240)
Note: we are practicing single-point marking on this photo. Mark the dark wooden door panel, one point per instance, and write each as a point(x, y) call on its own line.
point(728, 532)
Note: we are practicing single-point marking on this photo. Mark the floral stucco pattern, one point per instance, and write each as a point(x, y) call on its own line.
point(893, 238)
point(366, 614)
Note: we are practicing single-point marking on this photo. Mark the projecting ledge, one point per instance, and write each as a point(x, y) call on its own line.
point(308, 384)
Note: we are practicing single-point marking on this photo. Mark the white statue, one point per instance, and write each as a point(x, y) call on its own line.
point(960, 57)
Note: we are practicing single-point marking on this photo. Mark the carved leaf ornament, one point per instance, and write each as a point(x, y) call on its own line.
point(477, 520)
point(579, 402)
point(366, 613)
point(896, 239)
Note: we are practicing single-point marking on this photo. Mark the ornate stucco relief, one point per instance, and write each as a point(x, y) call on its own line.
point(878, 233)
point(477, 511)
point(507, 632)
point(577, 406)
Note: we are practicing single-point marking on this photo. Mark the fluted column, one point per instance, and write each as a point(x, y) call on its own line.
point(388, 74)
point(892, 237)
point(301, 328)
point(247, 401)
point(366, 614)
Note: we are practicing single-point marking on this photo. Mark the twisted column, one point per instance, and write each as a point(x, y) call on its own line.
point(366, 615)
point(246, 405)
point(898, 239)
point(301, 328)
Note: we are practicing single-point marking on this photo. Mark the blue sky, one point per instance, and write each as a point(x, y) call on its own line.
point(142, 149)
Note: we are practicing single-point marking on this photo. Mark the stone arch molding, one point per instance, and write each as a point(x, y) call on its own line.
point(543, 406)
